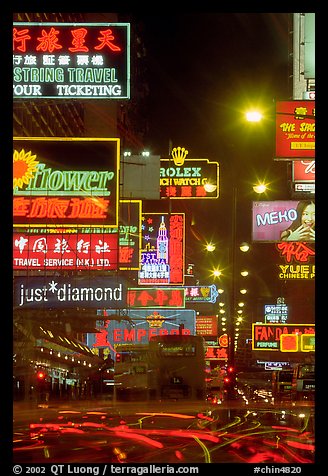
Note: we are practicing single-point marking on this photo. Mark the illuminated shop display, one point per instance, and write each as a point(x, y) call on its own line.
point(71, 292)
point(268, 336)
point(295, 129)
point(65, 251)
point(65, 181)
point(162, 254)
point(71, 60)
point(284, 221)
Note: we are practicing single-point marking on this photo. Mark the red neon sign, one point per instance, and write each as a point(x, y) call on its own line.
point(65, 209)
point(65, 251)
point(295, 251)
point(154, 298)
point(51, 39)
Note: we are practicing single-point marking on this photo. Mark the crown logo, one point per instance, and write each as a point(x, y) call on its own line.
point(179, 154)
point(155, 320)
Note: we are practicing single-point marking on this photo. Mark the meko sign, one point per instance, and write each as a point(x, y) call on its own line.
point(65, 251)
point(295, 130)
point(268, 336)
point(163, 249)
point(71, 60)
point(144, 323)
point(75, 291)
point(66, 181)
point(277, 221)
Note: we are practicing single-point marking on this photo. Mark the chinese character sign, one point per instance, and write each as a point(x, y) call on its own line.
point(77, 60)
point(270, 336)
point(65, 251)
point(139, 326)
point(162, 254)
point(65, 181)
point(156, 297)
point(295, 129)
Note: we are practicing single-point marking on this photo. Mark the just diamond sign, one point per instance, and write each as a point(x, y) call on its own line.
point(57, 292)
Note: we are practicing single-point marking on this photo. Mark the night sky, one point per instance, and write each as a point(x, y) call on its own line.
point(205, 70)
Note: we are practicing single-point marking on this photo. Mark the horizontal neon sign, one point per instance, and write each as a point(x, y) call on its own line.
point(268, 336)
point(197, 178)
point(76, 291)
point(82, 188)
point(78, 251)
point(71, 60)
point(156, 298)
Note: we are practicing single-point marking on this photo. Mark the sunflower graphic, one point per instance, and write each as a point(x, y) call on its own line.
point(24, 167)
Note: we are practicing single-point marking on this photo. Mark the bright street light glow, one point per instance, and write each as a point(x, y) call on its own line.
point(260, 188)
point(244, 247)
point(210, 247)
point(253, 116)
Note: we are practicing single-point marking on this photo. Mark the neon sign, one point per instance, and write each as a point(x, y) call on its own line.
point(156, 298)
point(216, 352)
point(207, 325)
point(162, 254)
point(295, 129)
point(76, 291)
point(65, 251)
point(201, 293)
point(143, 324)
point(297, 251)
point(71, 60)
point(299, 271)
point(268, 336)
point(191, 178)
point(80, 189)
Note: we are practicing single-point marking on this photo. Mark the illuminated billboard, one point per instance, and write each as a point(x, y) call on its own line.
point(137, 326)
point(71, 60)
point(129, 232)
point(69, 292)
point(156, 298)
point(163, 253)
point(276, 313)
point(182, 178)
point(65, 181)
point(278, 221)
point(270, 336)
point(200, 293)
point(295, 130)
point(76, 251)
point(207, 325)
point(303, 175)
